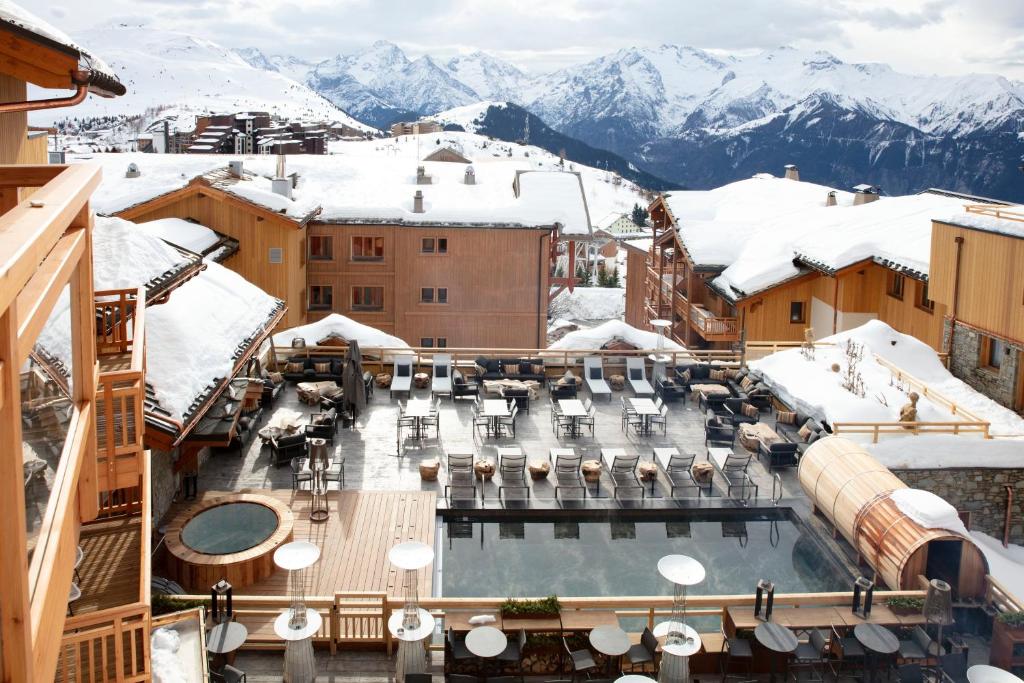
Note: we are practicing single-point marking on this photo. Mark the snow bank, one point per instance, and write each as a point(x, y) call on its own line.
point(1006, 564)
point(597, 337)
point(164, 644)
point(186, 234)
point(979, 221)
point(337, 325)
point(928, 510)
point(935, 451)
point(192, 338)
point(812, 387)
point(590, 303)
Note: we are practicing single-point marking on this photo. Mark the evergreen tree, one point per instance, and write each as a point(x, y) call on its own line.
point(613, 278)
point(602, 277)
point(582, 276)
point(639, 215)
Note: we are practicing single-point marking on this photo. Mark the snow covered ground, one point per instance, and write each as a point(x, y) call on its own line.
point(589, 303)
point(812, 387)
point(946, 450)
point(1006, 564)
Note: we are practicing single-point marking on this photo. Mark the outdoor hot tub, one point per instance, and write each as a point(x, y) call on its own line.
point(229, 537)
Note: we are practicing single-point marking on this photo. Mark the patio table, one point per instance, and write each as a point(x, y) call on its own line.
point(711, 389)
point(486, 642)
point(573, 409)
point(776, 638)
point(610, 640)
point(495, 409)
point(877, 640)
point(417, 409)
point(645, 408)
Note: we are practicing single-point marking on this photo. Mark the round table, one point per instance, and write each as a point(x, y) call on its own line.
point(412, 658)
point(299, 663)
point(983, 673)
point(411, 555)
point(226, 638)
point(486, 641)
point(634, 678)
point(689, 641)
point(611, 641)
point(776, 638)
point(877, 640)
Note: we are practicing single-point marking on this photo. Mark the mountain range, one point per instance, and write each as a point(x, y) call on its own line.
point(701, 119)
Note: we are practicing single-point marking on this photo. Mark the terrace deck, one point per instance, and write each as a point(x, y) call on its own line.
point(110, 565)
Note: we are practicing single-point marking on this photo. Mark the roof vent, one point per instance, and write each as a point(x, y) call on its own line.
point(792, 172)
point(235, 168)
point(281, 186)
point(417, 202)
point(865, 194)
point(421, 176)
point(133, 171)
point(831, 201)
point(470, 176)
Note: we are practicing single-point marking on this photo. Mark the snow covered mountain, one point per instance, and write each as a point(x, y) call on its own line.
point(176, 76)
point(664, 108)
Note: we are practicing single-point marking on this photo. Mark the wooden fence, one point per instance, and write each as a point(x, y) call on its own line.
point(1000, 597)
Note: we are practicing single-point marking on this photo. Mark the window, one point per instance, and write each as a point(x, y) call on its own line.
point(442, 295)
point(321, 247)
point(321, 297)
point(894, 285)
point(275, 254)
point(367, 298)
point(427, 295)
point(796, 312)
point(442, 342)
point(922, 300)
point(991, 353)
point(367, 248)
point(426, 342)
point(434, 245)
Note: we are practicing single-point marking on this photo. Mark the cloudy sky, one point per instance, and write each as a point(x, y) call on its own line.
point(921, 36)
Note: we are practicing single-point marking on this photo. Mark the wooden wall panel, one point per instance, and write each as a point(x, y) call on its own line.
point(766, 317)
point(991, 294)
point(636, 276)
point(13, 127)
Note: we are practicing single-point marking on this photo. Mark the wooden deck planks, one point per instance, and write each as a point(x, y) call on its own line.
point(110, 566)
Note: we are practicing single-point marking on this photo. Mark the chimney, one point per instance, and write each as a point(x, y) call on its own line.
point(831, 201)
point(281, 186)
point(235, 168)
point(792, 172)
point(865, 194)
point(417, 202)
point(421, 176)
point(133, 171)
point(280, 166)
point(470, 178)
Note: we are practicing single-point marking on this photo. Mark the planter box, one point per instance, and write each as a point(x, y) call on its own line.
point(1007, 651)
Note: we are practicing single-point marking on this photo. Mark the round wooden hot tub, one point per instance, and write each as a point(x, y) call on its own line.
point(231, 537)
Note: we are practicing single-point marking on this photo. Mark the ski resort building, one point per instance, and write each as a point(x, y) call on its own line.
point(768, 258)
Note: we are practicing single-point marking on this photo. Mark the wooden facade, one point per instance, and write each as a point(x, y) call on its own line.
point(260, 233)
point(488, 286)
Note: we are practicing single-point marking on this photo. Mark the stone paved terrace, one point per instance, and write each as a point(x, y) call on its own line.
point(371, 460)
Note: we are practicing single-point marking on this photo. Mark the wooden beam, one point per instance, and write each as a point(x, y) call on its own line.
point(29, 61)
point(29, 175)
point(84, 366)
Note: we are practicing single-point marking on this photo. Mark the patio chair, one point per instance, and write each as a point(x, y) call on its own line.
point(401, 377)
point(322, 426)
point(403, 421)
point(228, 674)
point(661, 419)
point(594, 377)
point(733, 469)
point(636, 375)
point(919, 647)
point(846, 652)
point(622, 471)
point(513, 652)
point(677, 469)
point(644, 652)
point(715, 403)
point(559, 421)
point(480, 421)
point(567, 472)
point(512, 469)
point(629, 416)
point(441, 381)
point(781, 454)
point(741, 411)
point(457, 647)
point(434, 419)
point(461, 477)
point(508, 424)
point(461, 387)
point(300, 474)
point(590, 419)
point(582, 661)
point(717, 432)
point(284, 448)
point(953, 667)
point(736, 649)
point(670, 390)
point(336, 472)
point(812, 655)
point(521, 397)
point(560, 390)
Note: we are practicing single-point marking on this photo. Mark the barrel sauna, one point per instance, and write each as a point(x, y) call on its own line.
point(854, 492)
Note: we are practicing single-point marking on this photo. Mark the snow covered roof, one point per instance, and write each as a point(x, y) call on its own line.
point(590, 303)
point(942, 451)
point(337, 325)
point(640, 243)
point(1010, 224)
point(597, 337)
point(374, 182)
point(195, 339)
point(186, 234)
point(102, 79)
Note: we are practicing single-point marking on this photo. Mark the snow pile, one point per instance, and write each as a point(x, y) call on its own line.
point(938, 451)
point(337, 325)
point(928, 510)
point(590, 303)
point(192, 338)
point(1003, 226)
point(1006, 564)
point(598, 337)
point(186, 234)
point(167, 668)
point(812, 387)
point(123, 257)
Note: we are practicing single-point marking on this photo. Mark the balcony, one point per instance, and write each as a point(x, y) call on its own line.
point(713, 328)
point(121, 387)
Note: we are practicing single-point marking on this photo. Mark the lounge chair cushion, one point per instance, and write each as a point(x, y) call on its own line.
point(402, 371)
point(636, 373)
point(785, 417)
point(322, 368)
point(717, 375)
point(537, 368)
point(746, 383)
point(440, 371)
point(750, 410)
point(804, 433)
point(293, 367)
point(595, 373)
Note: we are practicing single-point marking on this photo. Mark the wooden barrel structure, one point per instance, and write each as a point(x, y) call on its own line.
point(854, 492)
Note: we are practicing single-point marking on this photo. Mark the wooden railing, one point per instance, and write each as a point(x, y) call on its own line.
point(120, 393)
point(1000, 597)
point(1010, 213)
point(361, 618)
point(111, 645)
point(712, 327)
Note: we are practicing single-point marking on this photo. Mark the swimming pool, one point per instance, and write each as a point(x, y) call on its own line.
point(588, 555)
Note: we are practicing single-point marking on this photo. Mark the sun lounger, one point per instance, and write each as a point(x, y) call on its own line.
point(593, 373)
point(637, 377)
point(441, 382)
point(401, 378)
point(677, 470)
point(622, 471)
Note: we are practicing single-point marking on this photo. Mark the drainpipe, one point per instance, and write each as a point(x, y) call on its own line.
point(1006, 520)
point(959, 240)
point(541, 294)
point(835, 306)
point(52, 103)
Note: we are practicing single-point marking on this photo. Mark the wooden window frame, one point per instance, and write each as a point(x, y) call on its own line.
point(426, 342)
point(360, 240)
point(438, 298)
point(441, 343)
point(921, 300)
point(985, 349)
point(323, 240)
point(362, 289)
point(321, 289)
point(891, 281)
point(803, 313)
point(427, 295)
point(438, 246)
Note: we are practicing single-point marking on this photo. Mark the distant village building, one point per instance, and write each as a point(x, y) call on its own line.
point(449, 154)
point(415, 128)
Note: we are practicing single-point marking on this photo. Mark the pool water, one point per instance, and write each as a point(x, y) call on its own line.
point(595, 557)
point(229, 528)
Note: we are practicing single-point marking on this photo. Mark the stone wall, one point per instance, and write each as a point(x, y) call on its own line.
point(998, 385)
point(980, 491)
point(163, 482)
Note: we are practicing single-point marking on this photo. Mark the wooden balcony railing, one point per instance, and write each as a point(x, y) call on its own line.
point(121, 389)
point(711, 327)
point(1009, 213)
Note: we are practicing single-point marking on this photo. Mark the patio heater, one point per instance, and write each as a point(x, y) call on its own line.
point(681, 640)
point(410, 625)
point(318, 465)
point(938, 610)
point(297, 624)
point(659, 358)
